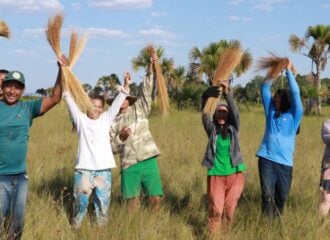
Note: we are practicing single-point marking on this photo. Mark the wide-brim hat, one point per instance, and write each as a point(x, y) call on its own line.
point(15, 76)
point(131, 99)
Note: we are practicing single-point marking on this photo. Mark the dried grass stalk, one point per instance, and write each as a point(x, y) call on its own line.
point(274, 65)
point(77, 45)
point(4, 29)
point(227, 62)
point(70, 81)
point(161, 85)
point(53, 33)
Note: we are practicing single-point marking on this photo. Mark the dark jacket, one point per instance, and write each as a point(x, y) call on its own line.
point(212, 130)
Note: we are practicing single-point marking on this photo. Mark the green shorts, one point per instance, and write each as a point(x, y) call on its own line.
point(145, 174)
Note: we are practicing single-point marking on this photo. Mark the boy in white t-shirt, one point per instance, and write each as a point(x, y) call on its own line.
point(94, 156)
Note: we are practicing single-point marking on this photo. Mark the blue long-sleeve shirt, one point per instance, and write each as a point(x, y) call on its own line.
point(279, 139)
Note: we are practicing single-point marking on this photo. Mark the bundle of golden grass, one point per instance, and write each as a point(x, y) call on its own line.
point(228, 60)
point(161, 85)
point(70, 81)
point(4, 29)
point(274, 66)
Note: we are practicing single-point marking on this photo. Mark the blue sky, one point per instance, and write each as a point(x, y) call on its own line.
point(119, 29)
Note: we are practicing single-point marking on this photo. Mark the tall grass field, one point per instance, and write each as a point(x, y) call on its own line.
point(183, 214)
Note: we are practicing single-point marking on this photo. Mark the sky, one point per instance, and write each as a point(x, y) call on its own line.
point(118, 29)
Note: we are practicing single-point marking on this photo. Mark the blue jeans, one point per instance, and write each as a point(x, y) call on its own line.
point(13, 194)
point(275, 182)
point(87, 182)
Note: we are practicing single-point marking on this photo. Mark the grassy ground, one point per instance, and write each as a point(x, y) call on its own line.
point(183, 215)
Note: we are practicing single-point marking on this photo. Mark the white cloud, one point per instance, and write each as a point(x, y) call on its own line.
point(156, 31)
point(247, 19)
point(234, 2)
point(91, 32)
point(31, 5)
point(121, 4)
point(76, 6)
point(135, 42)
point(234, 18)
point(266, 5)
point(326, 6)
point(158, 14)
point(25, 53)
point(239, 19)
point(37, 32)
point(103, 32)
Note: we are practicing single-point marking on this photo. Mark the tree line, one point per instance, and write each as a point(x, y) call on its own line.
point(186, 85)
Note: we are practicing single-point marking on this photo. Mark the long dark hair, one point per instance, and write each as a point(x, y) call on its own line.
point(285, 99)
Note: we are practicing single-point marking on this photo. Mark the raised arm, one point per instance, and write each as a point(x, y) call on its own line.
point(266, 95)
point(145, 99)
point(297, 108)
point(51, 101)
point(120, 98)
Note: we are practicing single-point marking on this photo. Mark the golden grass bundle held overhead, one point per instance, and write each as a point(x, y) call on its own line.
point(161, 85)
point(274, 65)
point(228, 60)
point(4, 29)
point(70, 81)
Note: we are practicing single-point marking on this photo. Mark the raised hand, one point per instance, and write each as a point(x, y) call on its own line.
point(63, 61)
point(224, 85)
point(127, 80)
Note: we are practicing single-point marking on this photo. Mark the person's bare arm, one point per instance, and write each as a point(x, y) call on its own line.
point(51, 101)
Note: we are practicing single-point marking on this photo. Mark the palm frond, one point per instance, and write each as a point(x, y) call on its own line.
point(296, 44)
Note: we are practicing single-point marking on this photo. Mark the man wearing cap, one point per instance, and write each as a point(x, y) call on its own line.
point(131, 137)
point(15, 121)
point(3, 73)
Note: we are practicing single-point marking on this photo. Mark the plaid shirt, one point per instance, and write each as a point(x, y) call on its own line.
point(139, 145)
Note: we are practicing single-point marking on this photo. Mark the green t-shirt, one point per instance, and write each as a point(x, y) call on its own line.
point(222, 163)
point(15, 122)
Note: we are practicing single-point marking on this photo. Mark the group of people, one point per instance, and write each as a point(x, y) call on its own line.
point(223, 158)
point(126, 121)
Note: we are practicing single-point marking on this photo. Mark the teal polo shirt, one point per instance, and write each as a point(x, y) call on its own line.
point(15, 123)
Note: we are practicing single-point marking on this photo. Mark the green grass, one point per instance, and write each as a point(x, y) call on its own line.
point(183, 215)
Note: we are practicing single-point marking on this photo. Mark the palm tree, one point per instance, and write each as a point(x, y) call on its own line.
point(108, 83)
point(87, 87)
point(318, 52)
point(207, 59)
point(167, 65)
point(143, 61)
point(178, 78)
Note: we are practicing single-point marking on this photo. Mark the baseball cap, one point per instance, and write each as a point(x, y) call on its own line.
point(15, 76)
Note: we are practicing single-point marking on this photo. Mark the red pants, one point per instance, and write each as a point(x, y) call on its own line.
point(223, 194)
